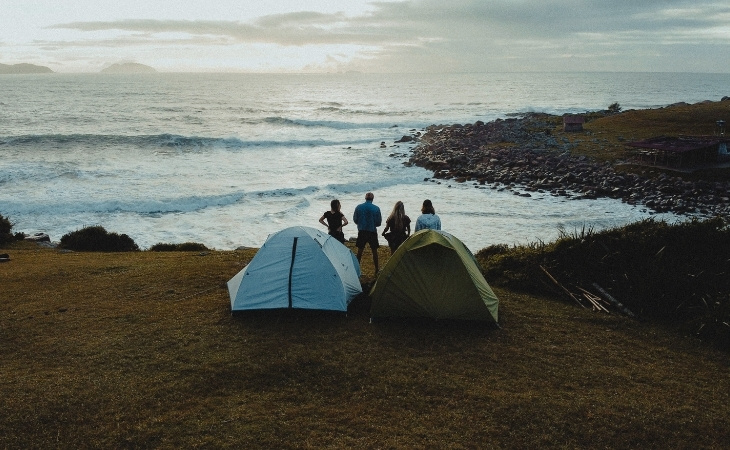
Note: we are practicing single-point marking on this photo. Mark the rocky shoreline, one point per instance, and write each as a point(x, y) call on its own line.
point(523, 156)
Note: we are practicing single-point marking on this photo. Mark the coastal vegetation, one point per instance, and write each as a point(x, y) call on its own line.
point(673, 274)
point(97, 239)
point(605, 135)
point(184, 247)
point(6, 232)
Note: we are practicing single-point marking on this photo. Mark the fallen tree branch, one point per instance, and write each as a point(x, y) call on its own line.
point(616, 303)
point(570, 294)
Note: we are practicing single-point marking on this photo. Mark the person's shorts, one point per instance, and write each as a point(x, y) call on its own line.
point(367, 237)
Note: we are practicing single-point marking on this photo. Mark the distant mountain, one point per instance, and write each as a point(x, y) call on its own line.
point(23, 68)
point(129, 68)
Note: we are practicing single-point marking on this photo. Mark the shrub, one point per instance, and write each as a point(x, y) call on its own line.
point(97, 239)
point(184, 247)
point(675, 273)
point(6, 227)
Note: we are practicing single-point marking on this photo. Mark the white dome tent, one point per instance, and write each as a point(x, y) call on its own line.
point(298, 267)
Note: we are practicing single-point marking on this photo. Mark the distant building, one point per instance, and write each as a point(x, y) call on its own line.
point(573, 123)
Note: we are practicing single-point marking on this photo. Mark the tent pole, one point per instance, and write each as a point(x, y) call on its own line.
point(291, 267)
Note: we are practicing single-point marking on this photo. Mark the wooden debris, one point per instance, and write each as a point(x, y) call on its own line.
point(563, 288)
point(615, 302)
point(595, 301)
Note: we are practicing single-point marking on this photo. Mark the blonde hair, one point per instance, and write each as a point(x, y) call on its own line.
point(397, 215)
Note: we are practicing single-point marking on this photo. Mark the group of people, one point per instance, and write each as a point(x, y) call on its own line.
point(368, 218)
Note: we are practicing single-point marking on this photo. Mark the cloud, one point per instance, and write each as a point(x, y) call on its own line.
point(458, 35)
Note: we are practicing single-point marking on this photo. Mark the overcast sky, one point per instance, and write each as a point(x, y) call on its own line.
point(369, 36)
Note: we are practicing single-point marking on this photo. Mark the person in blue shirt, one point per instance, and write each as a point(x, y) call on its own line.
point(367, 217)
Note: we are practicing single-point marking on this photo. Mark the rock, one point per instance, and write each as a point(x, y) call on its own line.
point(38, 237)
point(534, 160)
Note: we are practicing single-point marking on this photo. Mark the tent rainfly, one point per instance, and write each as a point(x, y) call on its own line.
point(298, 267)
point(433, 274)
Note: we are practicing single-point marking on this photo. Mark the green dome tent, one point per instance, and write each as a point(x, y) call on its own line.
point(433, 274)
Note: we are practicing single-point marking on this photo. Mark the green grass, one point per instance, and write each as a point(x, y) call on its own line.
point(128, 350)
point(605, 138)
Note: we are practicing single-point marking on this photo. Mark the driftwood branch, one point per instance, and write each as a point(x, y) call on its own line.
point(595, 300)
point(563, 288)
point(615, 302)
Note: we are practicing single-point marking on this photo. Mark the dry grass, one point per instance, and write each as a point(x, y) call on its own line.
point(605, 138)
point(118, 350)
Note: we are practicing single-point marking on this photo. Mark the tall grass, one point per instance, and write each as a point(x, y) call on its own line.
point(678, 273)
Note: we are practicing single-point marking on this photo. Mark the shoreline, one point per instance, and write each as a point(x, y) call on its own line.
point(523, 155)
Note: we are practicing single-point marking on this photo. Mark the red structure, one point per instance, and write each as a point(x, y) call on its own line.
point(573, 123)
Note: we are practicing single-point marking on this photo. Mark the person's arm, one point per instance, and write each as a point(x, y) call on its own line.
point(438, 223)
point(387, 227)
point(344, 220)
point(321, 220)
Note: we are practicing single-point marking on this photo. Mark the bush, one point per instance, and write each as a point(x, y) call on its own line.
point(97, 239)
point(6, 228)
point(184, 247)
point(675, 273)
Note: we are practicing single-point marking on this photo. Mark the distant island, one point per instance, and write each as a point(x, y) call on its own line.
point(129, 68)
point(23, 68)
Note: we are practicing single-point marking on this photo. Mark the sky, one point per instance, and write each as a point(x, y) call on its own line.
point(264, 36)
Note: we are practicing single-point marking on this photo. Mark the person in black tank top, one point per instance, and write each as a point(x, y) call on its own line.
point(335, 220)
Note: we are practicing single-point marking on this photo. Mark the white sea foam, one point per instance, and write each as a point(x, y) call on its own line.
point(228, 159)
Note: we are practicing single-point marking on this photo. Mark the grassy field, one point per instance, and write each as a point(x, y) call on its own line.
point(605, 138)
point(139, 350)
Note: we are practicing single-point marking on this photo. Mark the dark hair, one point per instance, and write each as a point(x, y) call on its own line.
point(335, 205)
point(427, 207)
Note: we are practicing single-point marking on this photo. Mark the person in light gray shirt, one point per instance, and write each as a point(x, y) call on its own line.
point(428, 217)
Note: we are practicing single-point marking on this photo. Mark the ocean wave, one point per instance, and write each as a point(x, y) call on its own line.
point(332, 124)
point(161, 142)
point(362, 112)
point(148, 206)
point(56, 141)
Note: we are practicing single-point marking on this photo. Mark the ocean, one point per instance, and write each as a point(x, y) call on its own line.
point(227, 159)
